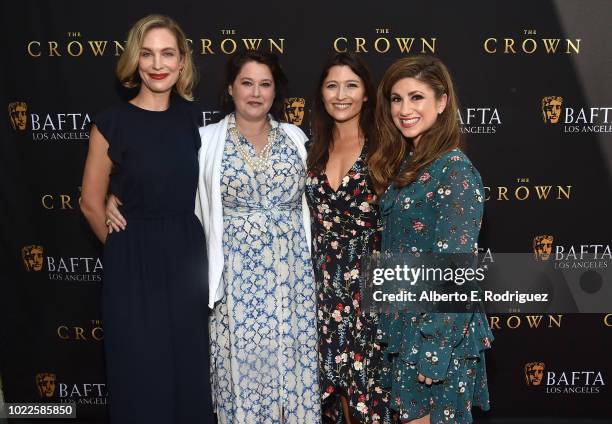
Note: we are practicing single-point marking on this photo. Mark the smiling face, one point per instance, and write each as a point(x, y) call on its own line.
point(414, 107)
point(160, 61)
point(343, 94)
point(253, 91)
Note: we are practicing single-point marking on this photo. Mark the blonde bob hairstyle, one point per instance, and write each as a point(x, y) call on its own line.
point(127, 67)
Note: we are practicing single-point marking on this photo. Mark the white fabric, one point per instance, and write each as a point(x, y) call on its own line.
point(208, 206)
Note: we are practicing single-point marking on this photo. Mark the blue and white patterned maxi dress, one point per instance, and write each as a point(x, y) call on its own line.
point(263, 331)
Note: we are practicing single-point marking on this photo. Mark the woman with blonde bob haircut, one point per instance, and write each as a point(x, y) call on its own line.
point(432, 206)
point(155, 292)
point(127, 67)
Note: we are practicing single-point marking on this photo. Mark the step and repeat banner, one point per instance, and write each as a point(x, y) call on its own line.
point(536, 109)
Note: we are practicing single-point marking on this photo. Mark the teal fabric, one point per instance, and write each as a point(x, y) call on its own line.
point(440, 212)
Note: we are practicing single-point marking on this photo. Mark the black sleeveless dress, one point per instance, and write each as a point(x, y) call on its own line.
point(155, 291)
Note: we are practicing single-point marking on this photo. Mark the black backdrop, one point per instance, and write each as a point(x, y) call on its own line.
point(58, 67)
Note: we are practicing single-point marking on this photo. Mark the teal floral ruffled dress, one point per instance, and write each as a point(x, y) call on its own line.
point(440, 212)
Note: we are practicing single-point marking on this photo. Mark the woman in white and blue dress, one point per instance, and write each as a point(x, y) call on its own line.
point(252, 205)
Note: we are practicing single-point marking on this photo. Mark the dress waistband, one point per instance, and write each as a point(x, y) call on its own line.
point(277, 220)
point(266, 210)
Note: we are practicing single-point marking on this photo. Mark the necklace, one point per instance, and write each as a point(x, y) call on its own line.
point(260, 162)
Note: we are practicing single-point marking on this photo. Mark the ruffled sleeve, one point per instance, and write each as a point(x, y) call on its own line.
point(459, 206)
point(107, 122)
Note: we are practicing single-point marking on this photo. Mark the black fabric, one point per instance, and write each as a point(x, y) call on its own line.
point(155, 287)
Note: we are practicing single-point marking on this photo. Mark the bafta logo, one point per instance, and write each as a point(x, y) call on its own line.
point(45, 382)
point(294, 110)
point(551, 109)
point(534, 372)
point(32, 257)
point(542, 247)
point(18, 114)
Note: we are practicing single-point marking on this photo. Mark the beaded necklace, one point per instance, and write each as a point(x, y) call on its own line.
point(260, 162)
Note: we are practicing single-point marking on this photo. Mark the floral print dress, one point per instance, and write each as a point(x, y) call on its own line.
point(440, 212)
point(263, 331)
point(346, 226)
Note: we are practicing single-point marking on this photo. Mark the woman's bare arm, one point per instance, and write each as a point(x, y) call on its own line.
point(96, 178)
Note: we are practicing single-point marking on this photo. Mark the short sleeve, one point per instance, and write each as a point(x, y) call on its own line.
point(107, 122)
point(196, 118)
point(197, 115)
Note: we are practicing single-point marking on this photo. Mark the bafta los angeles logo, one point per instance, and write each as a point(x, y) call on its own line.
point(551, 109)
point(542, 247)
point(534, 373)
point(45, 382)
point(18, 113)
point(32, 257)
point(294, 110)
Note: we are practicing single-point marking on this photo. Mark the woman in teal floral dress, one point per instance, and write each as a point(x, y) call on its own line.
point(432, 204)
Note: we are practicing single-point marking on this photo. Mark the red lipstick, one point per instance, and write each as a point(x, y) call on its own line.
point(158, 76)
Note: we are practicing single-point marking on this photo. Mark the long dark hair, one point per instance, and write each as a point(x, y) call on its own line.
point(323, 123)
point(392, 148)
point(232, 69)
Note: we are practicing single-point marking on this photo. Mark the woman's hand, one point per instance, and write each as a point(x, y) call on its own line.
point(114, 220)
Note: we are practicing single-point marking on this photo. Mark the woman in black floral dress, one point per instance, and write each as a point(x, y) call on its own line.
point(345, 226)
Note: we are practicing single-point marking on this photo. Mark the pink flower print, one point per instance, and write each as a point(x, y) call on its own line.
point(426, 176)
point(364, 207)
point(337, 316)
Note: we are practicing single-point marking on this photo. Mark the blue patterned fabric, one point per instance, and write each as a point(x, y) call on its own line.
point(263, 332)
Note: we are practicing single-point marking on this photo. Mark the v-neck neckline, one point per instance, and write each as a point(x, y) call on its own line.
point(335, 191)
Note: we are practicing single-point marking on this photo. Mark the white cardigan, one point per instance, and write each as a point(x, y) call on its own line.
point(208, 206)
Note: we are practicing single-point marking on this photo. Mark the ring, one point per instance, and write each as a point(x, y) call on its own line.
point(108, 222)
